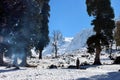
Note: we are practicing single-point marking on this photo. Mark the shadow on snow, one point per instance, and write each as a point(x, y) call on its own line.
point(10, 70)
point(108, 76)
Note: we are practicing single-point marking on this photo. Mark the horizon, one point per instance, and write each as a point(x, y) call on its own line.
point(70, 19)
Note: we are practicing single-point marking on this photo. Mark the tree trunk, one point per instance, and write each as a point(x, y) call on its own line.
point(97, 56)
point(1, 59)
point(55, 51)
point(24, 60)
point(110, 50)
point(15, 62)
point(40, 54)
point(116, 48)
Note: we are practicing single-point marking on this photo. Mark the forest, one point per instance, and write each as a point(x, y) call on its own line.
point(24, 26)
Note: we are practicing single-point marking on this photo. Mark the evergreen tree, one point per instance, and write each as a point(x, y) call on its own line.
point(23, 24)
point(103, 23)
point(10, 15)
point(117, 34)
point(43, 27)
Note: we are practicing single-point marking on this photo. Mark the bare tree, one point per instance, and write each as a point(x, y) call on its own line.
point(57, 35)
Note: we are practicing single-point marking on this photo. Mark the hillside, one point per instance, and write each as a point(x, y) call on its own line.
point(68, 44)
point(79, 40)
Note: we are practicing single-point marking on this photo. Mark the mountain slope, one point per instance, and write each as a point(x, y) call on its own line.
point(79, 41)
point(69, 44)
point(62, 44)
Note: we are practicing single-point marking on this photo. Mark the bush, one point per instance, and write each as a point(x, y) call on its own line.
point(52, 67)
point(117, 60)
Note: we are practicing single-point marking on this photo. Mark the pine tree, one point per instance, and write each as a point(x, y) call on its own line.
point(103, 23)
point(10, 15)
point(117, 33)
point(23, 25)
point(43, 27)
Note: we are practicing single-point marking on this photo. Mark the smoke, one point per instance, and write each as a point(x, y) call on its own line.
point(16, 59)
point(22, 36)
point(15, 48)
point(15, 41)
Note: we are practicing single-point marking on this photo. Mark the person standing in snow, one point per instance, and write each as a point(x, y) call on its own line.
point(77, 63)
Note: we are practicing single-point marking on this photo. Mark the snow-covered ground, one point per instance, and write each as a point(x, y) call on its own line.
point(108, 71)
point(69, 50)
point(104, 72)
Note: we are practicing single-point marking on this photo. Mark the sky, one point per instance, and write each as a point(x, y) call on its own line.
point(70, 16)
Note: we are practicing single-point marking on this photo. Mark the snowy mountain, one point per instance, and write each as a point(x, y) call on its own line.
point(79, 41)
point(70, 43)
point(62, 45)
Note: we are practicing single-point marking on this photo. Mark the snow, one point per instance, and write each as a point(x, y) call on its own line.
point(68, 44)
point(62, 45)
point(108, 71)
point(70, 51)
point(104, 72)
point(68, 39)
point(79, 41)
